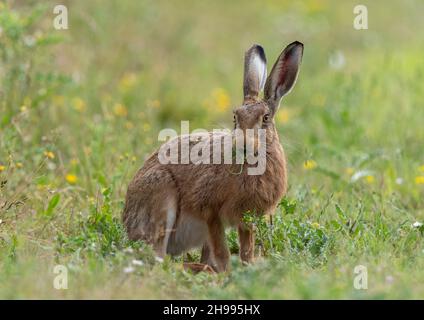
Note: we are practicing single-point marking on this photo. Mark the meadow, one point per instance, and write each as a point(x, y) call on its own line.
point(80, 109)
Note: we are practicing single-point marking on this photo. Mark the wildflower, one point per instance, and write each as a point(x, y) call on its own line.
point(417, 224)
point(419, 180)
point(129, 125)
point(2, 168)
point(399, 181)
point(360, 174)
point(127, 81)
point(24, 109)
point(309, 165)
point(58, 100)
point(159, 259)
point(370, 179)
point(129, 250)
point(221, 99)
point(421, 168)
point(146, 127)
point(71, 178)
point(337, 60)
point(74, 162)
point(129, 269)
point(79, 104)
point(120, 110)
point(153, 104)
point(315, 225)
point(49, 154)
point(283, 116)
point(19, 165)
point(137, 262)
point(349, 171)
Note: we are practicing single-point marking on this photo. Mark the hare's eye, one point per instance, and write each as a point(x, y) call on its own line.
point(234, 118)
point(266, 118)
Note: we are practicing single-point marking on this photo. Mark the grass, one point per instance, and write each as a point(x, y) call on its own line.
point(80, 110)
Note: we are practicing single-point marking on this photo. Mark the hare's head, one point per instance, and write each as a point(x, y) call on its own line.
point(258, 113)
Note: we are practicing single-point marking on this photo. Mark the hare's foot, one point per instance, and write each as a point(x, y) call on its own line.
point(198, 267)
point(219, 253)
point(247, 243)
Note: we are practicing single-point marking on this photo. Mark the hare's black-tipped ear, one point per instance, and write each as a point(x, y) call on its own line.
point(254, 72)
point(283, 74)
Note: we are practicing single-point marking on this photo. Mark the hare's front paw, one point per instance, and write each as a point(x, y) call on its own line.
point(198, 267)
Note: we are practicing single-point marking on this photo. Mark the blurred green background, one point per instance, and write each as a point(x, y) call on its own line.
point(80, 109)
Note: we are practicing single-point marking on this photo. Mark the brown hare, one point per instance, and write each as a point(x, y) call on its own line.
point(179, 206)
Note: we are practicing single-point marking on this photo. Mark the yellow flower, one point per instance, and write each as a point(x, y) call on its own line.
point(153, 104)
point(79, 104)
point(129, 125)
point(71, 178)
point(74, 161)
point(127, 81)
point(419, 180)
point(283, 116)
point(2, 168)
point(349, 171)
point(221, 99)
point(369, 179)
point(49, 154)
point(24, 109)
point(146, 127)
point(19, 165)
point(120, 110)
point(309, 165)
point(421, 168)
point(315, 225)
point(58, 100)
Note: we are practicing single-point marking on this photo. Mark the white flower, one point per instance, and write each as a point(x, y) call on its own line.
point(159, 259)
point(360, 174)
point(128, 250)
point(129, 269)
point(417, 224)
point(137, 262)
point(337, 60)
point(399, 181)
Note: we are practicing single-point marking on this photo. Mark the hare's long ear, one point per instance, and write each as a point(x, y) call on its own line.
point(283, 74)
point(254, 72)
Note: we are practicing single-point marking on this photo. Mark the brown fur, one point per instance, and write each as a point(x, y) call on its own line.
point(208, 197)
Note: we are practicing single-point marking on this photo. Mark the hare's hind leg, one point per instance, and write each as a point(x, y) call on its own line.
point(166, 225)
point(219, 253)
point(150, 214)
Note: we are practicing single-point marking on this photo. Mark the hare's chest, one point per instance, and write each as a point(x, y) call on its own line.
point(264, 192)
